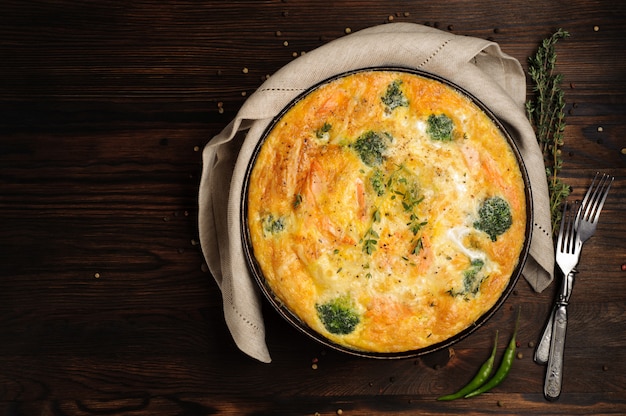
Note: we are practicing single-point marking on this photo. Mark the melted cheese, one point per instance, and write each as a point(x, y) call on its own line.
point(396, 235)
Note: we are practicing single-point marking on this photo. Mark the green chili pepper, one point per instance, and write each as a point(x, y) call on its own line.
point(479, 379)
point(505, 365)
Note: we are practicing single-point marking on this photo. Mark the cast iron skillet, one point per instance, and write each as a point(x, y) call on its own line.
point(299, 324)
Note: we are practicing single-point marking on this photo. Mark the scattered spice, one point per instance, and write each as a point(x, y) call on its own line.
point(596, 28)
point(339, 411)
point(278, 33)
point(520, 355)
point(96, 275)
point(531, 344)
point(347, 30)
point(624, 264)
point(285, 43)
point(245, 70)
point(546, 113)
point(390, 18)
point(605, 368)
point(600, 129)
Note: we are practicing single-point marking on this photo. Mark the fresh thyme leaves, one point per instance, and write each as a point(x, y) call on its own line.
point(370, 239)
point(546, 113)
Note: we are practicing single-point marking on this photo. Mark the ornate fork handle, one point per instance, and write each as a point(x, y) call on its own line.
point(543, 349)
point(554, 372)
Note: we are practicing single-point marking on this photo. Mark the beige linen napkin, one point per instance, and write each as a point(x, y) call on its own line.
point(477, 65)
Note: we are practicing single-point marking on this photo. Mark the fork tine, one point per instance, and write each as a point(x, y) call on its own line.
point(560, 238)
point(584, 204)
point(603, 191)
point(595, 196)
point(571, 229)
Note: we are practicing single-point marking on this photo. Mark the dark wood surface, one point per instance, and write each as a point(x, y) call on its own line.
point(106, 306)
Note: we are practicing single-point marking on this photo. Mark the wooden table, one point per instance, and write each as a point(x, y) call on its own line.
point(106, 305)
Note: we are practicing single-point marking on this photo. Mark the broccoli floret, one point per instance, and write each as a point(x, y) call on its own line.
point(440, 127)
point(338, 315)
point(472, 279)
point(394, 97)
point(378, 182)
point(471, 282)
point(494, 217)
point(272, 225)
point(370, 147)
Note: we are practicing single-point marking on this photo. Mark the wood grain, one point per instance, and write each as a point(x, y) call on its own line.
point(106, 305)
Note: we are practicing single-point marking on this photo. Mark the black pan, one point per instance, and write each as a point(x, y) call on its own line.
point(300, 325)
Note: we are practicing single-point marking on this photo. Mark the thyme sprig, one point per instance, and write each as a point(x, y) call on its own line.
point(547, 116)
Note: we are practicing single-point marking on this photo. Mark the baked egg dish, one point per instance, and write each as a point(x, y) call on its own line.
point(386, 210)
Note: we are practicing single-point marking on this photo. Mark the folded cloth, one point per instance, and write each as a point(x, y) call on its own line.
point(476, 65)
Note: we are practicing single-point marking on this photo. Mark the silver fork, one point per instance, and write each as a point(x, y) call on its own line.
point(567, 254)
point(585, 224)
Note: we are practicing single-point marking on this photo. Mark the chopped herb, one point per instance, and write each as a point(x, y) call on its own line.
point(369, 246)
point(416, 225)
point(370, 241)
point(297, 200)
point(322, 132)
point(418, 246)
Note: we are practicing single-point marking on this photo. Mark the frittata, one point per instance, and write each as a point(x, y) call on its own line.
point(386, 210)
